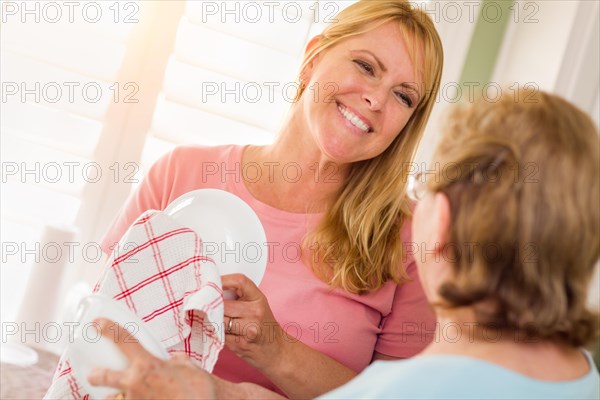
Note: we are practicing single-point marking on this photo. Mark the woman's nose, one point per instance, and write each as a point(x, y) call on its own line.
point(375, 98)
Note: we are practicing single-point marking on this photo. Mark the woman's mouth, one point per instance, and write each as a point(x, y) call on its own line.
point(354, 119)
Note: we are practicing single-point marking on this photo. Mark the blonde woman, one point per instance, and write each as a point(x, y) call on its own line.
point(351, 295)
point(511, 224)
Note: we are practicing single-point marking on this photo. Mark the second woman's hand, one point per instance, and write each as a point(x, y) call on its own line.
point(148, 377)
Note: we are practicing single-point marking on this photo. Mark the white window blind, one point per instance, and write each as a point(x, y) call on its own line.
point(104, 88)
point(231, 76)
point(57, 68)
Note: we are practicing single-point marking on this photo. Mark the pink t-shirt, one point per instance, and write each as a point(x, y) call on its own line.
point(394, 320)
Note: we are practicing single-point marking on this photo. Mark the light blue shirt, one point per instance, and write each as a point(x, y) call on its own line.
point(459, 377)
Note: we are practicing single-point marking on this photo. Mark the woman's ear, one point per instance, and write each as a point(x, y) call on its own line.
point(312, 43)
point(439, 272)
point(443, 219)
point(307, 71)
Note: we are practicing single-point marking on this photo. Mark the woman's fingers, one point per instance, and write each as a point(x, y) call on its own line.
point(123, 339)
point(235, 326)
point(245, 308)
point(228, 325)
point(130, 347)
point(242, 285)
point(148, 377)
point(235, 308)
point(106, 377)
point(180, 359)
point(251, 330)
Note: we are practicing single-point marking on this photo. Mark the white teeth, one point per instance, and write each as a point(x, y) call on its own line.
point(353, 119)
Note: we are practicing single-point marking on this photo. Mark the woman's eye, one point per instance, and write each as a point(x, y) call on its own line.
point(365, 67)
point(405, 98)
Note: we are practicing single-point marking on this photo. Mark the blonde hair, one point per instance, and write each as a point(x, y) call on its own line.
point(521, 176)
point(360, 234)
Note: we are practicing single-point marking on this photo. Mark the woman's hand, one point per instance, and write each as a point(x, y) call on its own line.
point(149, 377)
point(255, 336)
point(251, 330)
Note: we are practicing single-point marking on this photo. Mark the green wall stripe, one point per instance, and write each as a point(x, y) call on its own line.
point(488, 35)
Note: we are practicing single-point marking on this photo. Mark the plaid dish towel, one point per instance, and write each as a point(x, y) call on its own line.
point(157, 270)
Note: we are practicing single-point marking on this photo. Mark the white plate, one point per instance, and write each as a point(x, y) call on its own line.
point(18, 354)
point(89, 350)
point(231, 233)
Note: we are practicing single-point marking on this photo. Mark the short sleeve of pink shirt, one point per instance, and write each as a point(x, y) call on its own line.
point(347, 327)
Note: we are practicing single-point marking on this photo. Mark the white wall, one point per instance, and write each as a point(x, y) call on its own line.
point(456, 30)
point(555, 45)
point(535, 43)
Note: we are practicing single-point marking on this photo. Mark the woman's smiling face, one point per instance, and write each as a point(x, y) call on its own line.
point(360, 94)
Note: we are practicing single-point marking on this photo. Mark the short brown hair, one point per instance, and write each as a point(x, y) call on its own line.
point(521, 176)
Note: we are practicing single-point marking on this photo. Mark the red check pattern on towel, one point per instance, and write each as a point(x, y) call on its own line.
point(158, 271)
